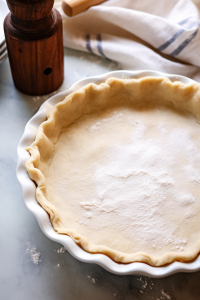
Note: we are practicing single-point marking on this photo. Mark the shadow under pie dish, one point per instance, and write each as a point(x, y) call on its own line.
point(116, 168)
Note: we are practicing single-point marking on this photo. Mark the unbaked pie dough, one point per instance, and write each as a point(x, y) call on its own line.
point(117, 168)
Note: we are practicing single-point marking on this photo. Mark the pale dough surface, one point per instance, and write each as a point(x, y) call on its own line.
point(86, 190)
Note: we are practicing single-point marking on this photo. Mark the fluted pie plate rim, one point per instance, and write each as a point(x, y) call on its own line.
point(28, 186)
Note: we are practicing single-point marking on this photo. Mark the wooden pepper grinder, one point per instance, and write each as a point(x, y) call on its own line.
point(33, 32)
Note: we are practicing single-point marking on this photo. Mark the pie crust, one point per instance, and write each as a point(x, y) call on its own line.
point(95, 145)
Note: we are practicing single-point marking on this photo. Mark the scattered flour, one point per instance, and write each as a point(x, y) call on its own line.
point(105, 122)
point(167, 296)
point(44, 98)
point(38, 100)
point(34, 256)
point(147, 283)
point(92, 279)
point(61, 250)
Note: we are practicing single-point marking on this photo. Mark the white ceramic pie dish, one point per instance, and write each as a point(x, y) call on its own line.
point(28, 187)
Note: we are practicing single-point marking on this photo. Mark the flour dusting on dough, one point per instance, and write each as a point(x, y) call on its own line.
point(138, 184)
point(134, 182)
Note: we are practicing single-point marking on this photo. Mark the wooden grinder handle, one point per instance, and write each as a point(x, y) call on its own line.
point(75, 7)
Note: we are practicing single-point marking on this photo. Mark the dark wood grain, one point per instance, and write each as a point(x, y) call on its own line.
point(30, 9)
point(35, 49)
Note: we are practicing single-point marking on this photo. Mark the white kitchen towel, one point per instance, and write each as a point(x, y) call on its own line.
point(157, 35)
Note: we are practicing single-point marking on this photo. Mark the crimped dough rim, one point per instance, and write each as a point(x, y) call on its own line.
point(183, 97)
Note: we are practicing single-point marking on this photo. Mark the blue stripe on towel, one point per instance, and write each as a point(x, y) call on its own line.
point(170, 41)
point(184, 44)
point(99, 46)
point(184, 21)
point(194, 24)
point(88, 45)
point(176, 35)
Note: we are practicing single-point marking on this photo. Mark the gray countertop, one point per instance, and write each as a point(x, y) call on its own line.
point(58, 276)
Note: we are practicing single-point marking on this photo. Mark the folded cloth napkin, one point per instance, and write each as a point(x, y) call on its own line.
point(140, 34)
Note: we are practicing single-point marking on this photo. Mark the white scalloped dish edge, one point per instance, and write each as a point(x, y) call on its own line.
point(28, 187)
